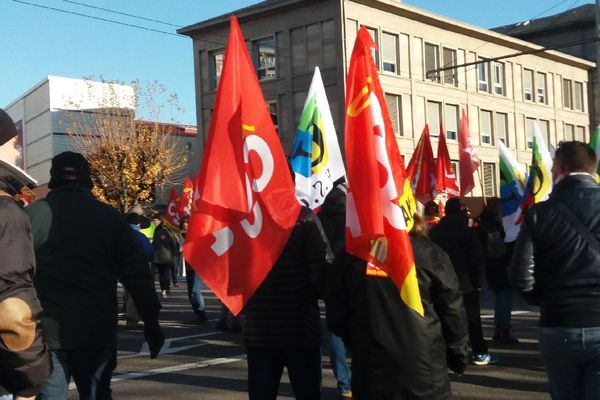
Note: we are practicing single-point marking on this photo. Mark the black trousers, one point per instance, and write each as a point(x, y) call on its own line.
point(265, 366)
point(473, 309)
point(164, 275)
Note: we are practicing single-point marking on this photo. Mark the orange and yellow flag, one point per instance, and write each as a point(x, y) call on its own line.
point(380, 202)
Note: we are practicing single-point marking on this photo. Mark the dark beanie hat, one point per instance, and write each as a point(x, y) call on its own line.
point(8, 130)
point(453, 206)
point(70, 168)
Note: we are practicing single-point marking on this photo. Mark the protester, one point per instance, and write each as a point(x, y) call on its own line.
point(282, 319)
point(166, 250)
point(24, 359)
point(333, 218)
point(396, 353)
point(82, 247)
point(431, 214)
point(135, 222)
point(194, 283)
point(497, 257)
point(556, 265)
point(455, 237)
point(445, 316)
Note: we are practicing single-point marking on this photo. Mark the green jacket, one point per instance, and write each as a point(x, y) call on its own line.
point(82, 247)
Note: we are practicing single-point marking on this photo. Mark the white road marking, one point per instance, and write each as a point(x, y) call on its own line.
point(486, 316)
point(173, 368)
point(167, 348)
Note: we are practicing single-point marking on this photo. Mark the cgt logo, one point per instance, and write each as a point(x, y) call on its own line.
point(224, 238)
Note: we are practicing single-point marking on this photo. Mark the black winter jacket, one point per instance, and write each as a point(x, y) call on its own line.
point(284, 311)
point(496, 268)
point(82, 246)
point(397, 354)
point(455, 237)
point(22, 371)
point(553, 266)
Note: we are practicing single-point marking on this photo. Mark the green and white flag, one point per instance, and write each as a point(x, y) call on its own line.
point(595, 145)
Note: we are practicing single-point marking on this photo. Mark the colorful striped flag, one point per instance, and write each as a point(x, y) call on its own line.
point(539, 182)
point(512, 187)
point(316, 158)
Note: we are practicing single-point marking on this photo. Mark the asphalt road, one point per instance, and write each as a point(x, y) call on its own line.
point(201, 362)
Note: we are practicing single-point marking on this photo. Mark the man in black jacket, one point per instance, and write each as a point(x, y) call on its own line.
point(556, 265)
point(460, 242)
point(82, 247)
point(24, 360)
point(283, 319)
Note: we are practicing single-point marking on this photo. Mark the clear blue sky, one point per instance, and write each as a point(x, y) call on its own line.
point(39, 42)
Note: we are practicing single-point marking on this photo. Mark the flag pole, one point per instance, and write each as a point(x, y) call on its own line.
point(482, 187)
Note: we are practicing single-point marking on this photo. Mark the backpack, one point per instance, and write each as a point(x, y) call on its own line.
point(495, 246)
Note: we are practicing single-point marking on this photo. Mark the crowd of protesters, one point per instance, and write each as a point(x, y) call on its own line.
point(80, 248)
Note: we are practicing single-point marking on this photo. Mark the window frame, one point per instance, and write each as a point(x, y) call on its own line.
point(374, 32)
point(450, 77)
point(502, 75)
point(256, 45)
point(567, 92)
point(529, 91)
point(544, 90)
point(505, 138)
point(212, 67)
point(385, 59)
point(578, 95)
point(483, 65)
point(447, 106)
point(491, 126)
point(398, 123)
point(436, 76)
point(434, 131)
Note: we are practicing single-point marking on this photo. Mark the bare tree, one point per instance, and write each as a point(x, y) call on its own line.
point(130, 158)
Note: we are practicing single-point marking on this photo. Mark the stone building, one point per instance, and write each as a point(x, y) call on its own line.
point(288, 38)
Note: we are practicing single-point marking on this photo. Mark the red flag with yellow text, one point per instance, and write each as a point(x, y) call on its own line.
point(245, 208)
point(445, 177)
point(380, 204)
point(187, 193)
point(468, 161)
point(172, 217)
point(421, 169)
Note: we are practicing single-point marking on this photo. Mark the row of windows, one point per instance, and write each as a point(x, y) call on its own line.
point(491, 75)
point(492, 125)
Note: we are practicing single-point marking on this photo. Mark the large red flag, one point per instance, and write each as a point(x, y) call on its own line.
point(172, 216)
point(421, 169)
point(380, 203)
point(245, 208)
point(445, 177)
point(187, 193)
point(468, 161)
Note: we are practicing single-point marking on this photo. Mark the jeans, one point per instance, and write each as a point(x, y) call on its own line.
point(337, 355)
point(473, 309)
point(572, 360)
point(91, 370)
point(265, 366)
point(193, 290)
point(502, 308)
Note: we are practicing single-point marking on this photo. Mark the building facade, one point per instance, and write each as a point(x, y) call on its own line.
point(572, 32)
point(58, 106)
point(288, 38)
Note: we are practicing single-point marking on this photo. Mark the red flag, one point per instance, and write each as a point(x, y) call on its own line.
point(172, 217)
point(187, 193)
point(468, 161)
point(245, 208)
point(445, 178)
point(421, 169)
point(380, 204)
